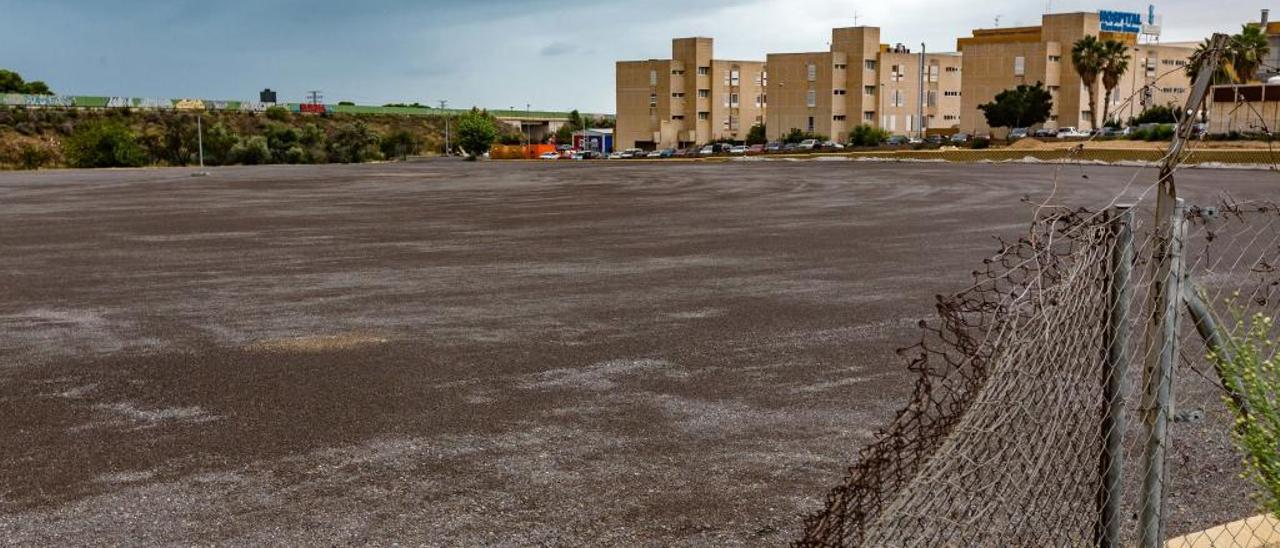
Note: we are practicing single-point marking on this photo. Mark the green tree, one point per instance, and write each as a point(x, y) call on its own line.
point(1157, 114)
point(1023, 106)
point(757, 135)
point(400, 144)
point(281, 141)
point(866, 135)
point(1115, 63)
point(1250, 372)
point(1087, 58)
point(353, 144)
point(218, 142)
point(103, 143)
point(179, 142)
point(476, 132)
point(796, 135)
point(12, 82)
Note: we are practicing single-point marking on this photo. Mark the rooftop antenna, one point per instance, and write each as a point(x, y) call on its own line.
point(997, 21)
point(855, 17)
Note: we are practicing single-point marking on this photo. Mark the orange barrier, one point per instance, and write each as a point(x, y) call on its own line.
point(519, 152)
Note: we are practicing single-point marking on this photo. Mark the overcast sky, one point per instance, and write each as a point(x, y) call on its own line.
point(554, 55)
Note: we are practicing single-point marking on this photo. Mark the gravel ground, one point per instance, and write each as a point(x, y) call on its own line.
point(445, 353)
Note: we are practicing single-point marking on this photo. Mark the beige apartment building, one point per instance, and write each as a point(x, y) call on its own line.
point(689, 99)
point(1002, 58)
point(861, 81)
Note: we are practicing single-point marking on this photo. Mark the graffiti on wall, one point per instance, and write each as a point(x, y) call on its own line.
point(50, 101)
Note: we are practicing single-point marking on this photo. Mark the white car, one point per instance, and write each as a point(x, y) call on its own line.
point(808, 144)
point(616, 156)
point(740, 149)
point(633, 153)
point(707, 151)
point(550, 156)
point(1071, 133)
point(654, 154)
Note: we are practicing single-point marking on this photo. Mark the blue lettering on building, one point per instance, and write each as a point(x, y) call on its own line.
point(1119, 21)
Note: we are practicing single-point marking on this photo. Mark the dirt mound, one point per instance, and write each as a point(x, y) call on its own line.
point(1027, 143)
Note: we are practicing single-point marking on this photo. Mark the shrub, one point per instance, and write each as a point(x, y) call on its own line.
point(981, 143)
point(103, 144)
point(1251, 373)
point(33, 157)
point(251, 151)
point(1159, 114)
point(400, 144)
point(796, 136)
point(866, 135)
point(353, 144)
point(277, 114)
point(218, 142)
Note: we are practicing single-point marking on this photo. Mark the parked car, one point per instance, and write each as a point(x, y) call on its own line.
point(666, 153)
point(790, 147)
point(807, 144)
point(1116, 131)
point(567, 154)
point(914, 141)
point(1071, 133)
point(831, 145)
point(1019, 133)
point(935, 139)
point(633, 153)
point(774, 147)
point(738, 150)
point(1046, 132)
point(708, 150)
point(549, 155)
point(654, 154)
point(755, 149)
point(615, 155)
point(960, 138)
point(896, 140)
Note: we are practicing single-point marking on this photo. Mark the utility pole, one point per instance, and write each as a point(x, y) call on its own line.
point(1166, 287)
point(923, 94)
point(200, 138)
point(314, 97)
point(443, 104)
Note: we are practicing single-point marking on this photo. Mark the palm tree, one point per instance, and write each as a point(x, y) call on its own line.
point(1115, 63)
point(1086, 56)
point(1240, 62)
point(1247, 50)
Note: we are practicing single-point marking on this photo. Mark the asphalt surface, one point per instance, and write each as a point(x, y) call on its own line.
point(447, 353)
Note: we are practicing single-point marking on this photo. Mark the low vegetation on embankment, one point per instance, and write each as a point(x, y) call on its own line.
point(44, 138)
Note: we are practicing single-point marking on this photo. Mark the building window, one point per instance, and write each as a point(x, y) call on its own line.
point(704, 115)
point(811, 98)
point(813, 72)
point(653, 77)
point(1053, 89)
point(704, 71)
point(953, 69)
point(869, 116)
point(733, 100)
point(1055, 58)
point(653, 99)
point(704, 94)
point(839, 92)
point(841, 66)
point(933, 73)
point(677, 72)
point(810, 124)
point(931, 99)
point(868, 90)
point(838, 118)
point(677, 95)
point(735, 77)
point(950, 94)
point(678, 117)
point(1019, 66)
point(895, 73)
point(761, 100)
point(869, 64)
point(949, 117)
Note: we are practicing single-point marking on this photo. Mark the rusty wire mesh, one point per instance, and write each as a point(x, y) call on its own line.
point(1002, 441)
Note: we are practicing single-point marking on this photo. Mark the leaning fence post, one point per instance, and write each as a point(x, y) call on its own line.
point(1162, 349)
point(1111, 466)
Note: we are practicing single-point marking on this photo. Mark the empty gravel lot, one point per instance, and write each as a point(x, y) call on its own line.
point(449, 353)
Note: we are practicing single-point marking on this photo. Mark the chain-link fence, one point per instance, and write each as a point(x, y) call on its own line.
point(1067, 397)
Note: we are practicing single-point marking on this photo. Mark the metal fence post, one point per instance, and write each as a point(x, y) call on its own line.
point(1162, 350)
point(1111, 466)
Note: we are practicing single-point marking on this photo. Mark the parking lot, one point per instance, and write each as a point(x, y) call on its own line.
point(497, 353)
